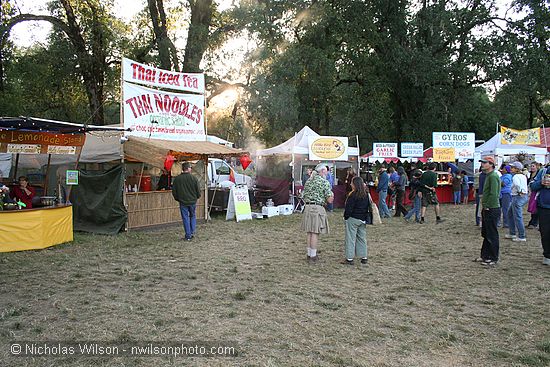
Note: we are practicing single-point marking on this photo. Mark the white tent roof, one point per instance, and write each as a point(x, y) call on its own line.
point(494, 147)
point(298, 144)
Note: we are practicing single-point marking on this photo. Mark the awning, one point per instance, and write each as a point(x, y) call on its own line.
point(154, 151)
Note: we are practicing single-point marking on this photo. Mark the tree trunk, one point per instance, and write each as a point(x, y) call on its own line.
point(167, 51)
point(197, 40)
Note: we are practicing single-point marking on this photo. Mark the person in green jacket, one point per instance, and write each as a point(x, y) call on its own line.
point(490, 213)
point(186, 190)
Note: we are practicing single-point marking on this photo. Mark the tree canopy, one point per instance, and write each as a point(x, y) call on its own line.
point(385, 70)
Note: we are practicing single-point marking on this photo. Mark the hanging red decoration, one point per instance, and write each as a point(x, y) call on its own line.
point(169, 162)
point(245, 161)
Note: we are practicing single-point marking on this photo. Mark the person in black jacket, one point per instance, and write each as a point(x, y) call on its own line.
point(356, 214)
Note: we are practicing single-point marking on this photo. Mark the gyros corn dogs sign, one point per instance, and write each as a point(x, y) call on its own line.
point(159, 114)
point(464, 144)
point(328, 148)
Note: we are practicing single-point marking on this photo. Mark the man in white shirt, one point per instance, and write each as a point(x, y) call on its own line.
point(520, 197)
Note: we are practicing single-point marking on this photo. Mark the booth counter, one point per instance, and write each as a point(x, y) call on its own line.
point(33, 229)
point(444, 194)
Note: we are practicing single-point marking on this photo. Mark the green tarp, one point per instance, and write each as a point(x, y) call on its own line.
point(98, 205)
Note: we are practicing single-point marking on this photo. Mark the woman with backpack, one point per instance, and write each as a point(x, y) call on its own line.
point(356, 215)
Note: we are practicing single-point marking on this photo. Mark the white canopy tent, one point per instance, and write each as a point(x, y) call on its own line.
point(494, 147)
point(298, 144)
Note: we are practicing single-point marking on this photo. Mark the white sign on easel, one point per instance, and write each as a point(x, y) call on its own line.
point(239, 204)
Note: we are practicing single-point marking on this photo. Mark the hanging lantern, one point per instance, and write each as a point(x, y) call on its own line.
point(169, 162)
point(245, 161)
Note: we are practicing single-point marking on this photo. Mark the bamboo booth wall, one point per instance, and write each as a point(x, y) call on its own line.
point(156, 208)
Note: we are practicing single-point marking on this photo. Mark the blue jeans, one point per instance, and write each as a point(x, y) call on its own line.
point(382, 206)
point(189, 219)
point(415, 209)
point(456, 196)
point(515, 215)
point(505, 203)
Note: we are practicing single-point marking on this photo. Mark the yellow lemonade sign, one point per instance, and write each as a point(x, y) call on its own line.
point(329, 148)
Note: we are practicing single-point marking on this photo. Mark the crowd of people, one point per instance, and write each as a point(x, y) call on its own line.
point(501, 196)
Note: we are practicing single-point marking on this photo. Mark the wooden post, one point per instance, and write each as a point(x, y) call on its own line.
point(47, 175)
point(16, 166)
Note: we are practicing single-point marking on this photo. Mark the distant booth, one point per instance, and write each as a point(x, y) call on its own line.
point(148, 161)
point(280, 170)
point(494, 147)
point(48, 153)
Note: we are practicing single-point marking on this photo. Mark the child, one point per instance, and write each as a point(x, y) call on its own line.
point(465, 187)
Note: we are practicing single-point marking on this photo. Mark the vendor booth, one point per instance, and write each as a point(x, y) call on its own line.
point(281, 169)
point(45, 216)
point(503, 152)
point(148, 205)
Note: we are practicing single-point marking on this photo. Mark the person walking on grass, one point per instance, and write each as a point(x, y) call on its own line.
point(457, 188)
point(428, 180)
point(382, 190)
point(519, 199)
point(356, 214)
point(416, 196)
point(394, 178)
point(532, 207)
point(465, 187)
point(505, 193)
point(317, 193)
point(400, 187)
point(541, 186)
point(186, 190)
point(490, 212)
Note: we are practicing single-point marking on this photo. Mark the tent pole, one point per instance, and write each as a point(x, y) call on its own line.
point(293, 164)
point(358, 156)
point(76, 168)
point(206, 206)
point(47, 175)
point(16, 166)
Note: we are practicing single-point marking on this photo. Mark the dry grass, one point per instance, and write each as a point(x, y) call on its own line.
point(419, 302)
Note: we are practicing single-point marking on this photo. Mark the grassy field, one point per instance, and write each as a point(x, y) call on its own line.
point(421, 301)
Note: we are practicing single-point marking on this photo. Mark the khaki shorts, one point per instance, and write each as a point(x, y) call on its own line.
point(315, 219)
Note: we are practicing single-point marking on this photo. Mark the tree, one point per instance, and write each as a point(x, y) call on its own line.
point(89, 31)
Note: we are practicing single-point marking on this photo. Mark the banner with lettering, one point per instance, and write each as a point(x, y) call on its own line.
point(135, 72)
point(464, 144)
point(35, 142)
point(151, 113)
point(444, 154)
point(412, 149)
point(523, 137)
point(384, 150)
point(333, 148)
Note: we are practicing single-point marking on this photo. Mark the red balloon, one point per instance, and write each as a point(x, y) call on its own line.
point(169, 162)
point(245, 161)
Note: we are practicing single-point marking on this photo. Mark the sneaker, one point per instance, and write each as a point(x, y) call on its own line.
point(488, 263)
point(365, 261)
point(313, 259)
point(478, 260)
point(437, 221)
point(546, 261)
point(188, 239)
point(408, 220)
point(347, 262)
point(510, 236)
point(517, 239)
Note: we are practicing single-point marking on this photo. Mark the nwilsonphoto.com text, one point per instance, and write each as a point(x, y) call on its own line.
point(123, 349)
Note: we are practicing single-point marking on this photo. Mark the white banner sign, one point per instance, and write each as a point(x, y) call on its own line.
point(464, 143)
point(384, 150)
point(58, 149)
point(24, 148)
point(332, 148)
point(412, 150)
point(143, 74)
point(163, 115)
